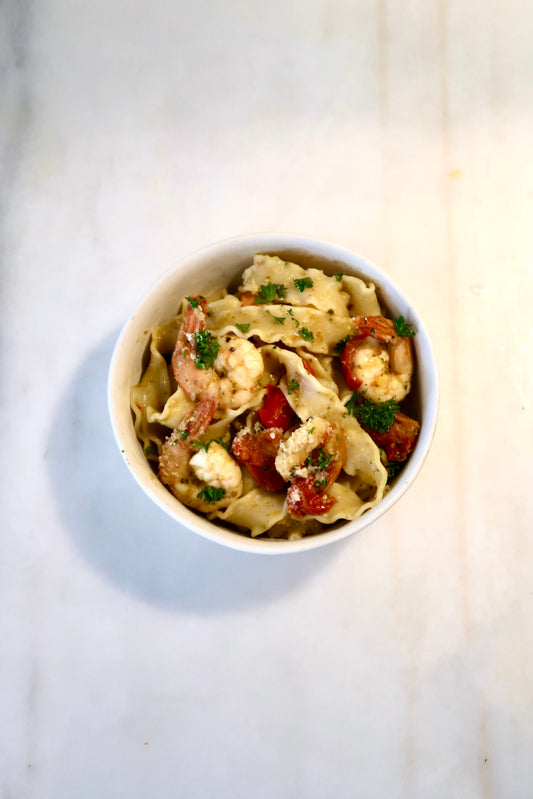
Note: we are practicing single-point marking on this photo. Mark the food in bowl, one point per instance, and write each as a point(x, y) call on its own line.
point(276, 405)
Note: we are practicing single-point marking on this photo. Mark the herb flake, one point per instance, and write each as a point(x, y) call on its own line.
point(292, 386)
point(378, 416)
point(279, 320)
point(403, 328)
point(303, 283)
point(210, 494)
point(338, 349)
point(207, 348)
point(269, 292)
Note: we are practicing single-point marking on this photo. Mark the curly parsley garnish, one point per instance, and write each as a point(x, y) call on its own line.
point(403, 328)
point(210, 494)
point(319, 459)
point(338, 349)
point(207, 348)
point(306, 334)
point(302, 283)
point(279, 320)
point(393, 468)
point(378, 416)
point(269, 292)
point(244, 327)
point(201, 445)
point(205, 445)
point(194, 302)
point(292, 386)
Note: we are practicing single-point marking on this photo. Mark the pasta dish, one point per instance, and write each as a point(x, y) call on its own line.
point(275, 407)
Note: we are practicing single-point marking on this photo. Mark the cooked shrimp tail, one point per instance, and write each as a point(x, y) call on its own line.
point(194, 374)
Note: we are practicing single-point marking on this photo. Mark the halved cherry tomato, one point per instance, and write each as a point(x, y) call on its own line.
point(275, 411)
point(347, 362)
point(257, 451)
point(267, 476)
point(400, 439)
point(303, 499)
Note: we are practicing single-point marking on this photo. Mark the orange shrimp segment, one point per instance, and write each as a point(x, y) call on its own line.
point(176, 450)
point(204, 479)
point(197, 383)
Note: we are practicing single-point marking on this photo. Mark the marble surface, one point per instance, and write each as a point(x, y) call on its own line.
point(137, 659)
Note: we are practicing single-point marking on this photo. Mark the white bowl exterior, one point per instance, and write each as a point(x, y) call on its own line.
point(210, 269)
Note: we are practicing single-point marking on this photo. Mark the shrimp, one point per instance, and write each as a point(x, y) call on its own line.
point(192, 370)
point(311, 458)
point(377, 361)
point(239, 365)
point(210, 478)
point(227, 370)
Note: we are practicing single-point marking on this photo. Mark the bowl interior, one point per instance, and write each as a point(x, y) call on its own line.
point(221, 265)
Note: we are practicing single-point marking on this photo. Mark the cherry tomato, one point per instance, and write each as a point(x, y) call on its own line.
point(276, 411)
point(348, 363)
point(257, 451)
point(400, 439)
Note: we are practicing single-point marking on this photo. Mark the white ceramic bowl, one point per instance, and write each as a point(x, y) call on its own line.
point(217, 266)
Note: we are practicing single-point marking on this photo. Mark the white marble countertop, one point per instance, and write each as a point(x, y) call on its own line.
point(136, 659)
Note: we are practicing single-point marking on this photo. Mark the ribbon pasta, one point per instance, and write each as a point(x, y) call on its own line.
point(296, 331)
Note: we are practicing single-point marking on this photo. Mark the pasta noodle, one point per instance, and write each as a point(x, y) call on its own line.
point(254, 406)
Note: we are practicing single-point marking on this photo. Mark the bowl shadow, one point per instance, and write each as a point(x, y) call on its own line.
point(127, 538)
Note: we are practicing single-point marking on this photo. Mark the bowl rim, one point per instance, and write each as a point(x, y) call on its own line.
point(201, 525)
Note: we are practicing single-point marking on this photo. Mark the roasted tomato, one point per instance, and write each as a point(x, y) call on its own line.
point(303, 499)
point(400, 439)
point(257, 451)
point(275, 411)
point(347, 362)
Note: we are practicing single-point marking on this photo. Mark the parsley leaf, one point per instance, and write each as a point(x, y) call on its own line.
point(377, 416)
point(244, 327)
point(292, 386)
point(306, 334)
point(210, 494)
point(279, 320)
point(269, 292)
point(339, 276)
point(194, 303)
point(207, 348)
point(338, 349)
point(319, 459)
point(351, 405)
point(393, 468)
point(302, 283)
point(403, 328)
point(200, 445)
